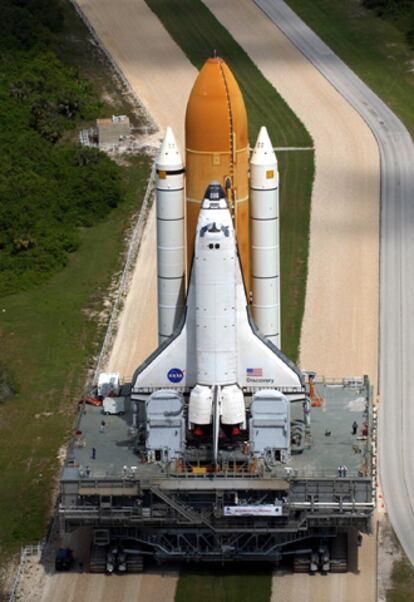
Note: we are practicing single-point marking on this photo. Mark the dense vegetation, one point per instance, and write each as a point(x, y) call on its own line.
point(50, 335)
point(49, 187)
point(400, 12)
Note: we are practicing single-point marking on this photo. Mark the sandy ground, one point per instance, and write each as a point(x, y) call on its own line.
point(115, 588)
point(42, 584)
point(156, 68)
point(343, 277)
point(137, 331)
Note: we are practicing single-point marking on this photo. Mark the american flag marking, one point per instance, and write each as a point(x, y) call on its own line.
point(254, 371)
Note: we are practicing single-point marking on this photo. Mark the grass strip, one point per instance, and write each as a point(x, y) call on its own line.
point(296, 178)
point(402, 578)
point(225, 584)
point(49, 335)
point(374, 48)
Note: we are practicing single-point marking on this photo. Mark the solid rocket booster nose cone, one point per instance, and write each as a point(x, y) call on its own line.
point(263, 153)
point(169, 155)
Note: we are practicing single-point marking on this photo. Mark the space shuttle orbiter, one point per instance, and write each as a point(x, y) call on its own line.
point(217, 343)
point(216, 354)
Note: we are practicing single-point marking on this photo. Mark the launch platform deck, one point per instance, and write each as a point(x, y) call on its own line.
point(107, 451)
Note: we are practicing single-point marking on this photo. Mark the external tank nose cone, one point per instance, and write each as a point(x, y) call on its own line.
point(215, 110)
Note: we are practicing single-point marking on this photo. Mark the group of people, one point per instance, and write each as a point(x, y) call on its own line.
point(342, 471)
point(364, 429)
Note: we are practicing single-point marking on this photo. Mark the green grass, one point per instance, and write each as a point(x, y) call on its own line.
point(225, 585)
point(374, 48)
point(198, 32)
point(296, 177)
point(403, 581)
point(50, 336)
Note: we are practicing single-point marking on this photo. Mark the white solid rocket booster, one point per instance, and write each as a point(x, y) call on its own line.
point(264, 216)
point(170, 236)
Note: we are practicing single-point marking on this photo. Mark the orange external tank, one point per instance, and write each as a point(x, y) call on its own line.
point(217, 148)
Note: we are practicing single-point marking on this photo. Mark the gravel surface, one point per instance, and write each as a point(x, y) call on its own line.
point(137, 334)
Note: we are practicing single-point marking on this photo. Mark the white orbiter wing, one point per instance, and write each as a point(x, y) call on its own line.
point(259, 362)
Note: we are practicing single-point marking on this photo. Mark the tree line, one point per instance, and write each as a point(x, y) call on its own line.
point(49, 188)
point(401, 12)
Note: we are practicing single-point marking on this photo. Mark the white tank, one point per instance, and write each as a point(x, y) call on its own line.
point(201, 405)
point(264, 220)
point(232, 405)
point(170, 236)
point(215, 291)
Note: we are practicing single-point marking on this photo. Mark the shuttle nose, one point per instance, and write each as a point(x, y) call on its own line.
point(214, 197)
point(214, 192)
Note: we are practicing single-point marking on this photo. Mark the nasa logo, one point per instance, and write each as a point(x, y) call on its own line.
point(175, 375)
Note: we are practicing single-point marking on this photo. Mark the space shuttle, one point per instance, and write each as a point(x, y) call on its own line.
point(218, 269)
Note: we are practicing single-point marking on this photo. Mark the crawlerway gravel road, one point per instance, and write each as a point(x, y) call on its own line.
point(343, 270)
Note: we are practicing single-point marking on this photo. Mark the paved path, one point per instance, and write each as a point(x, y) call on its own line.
point(396, 367)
